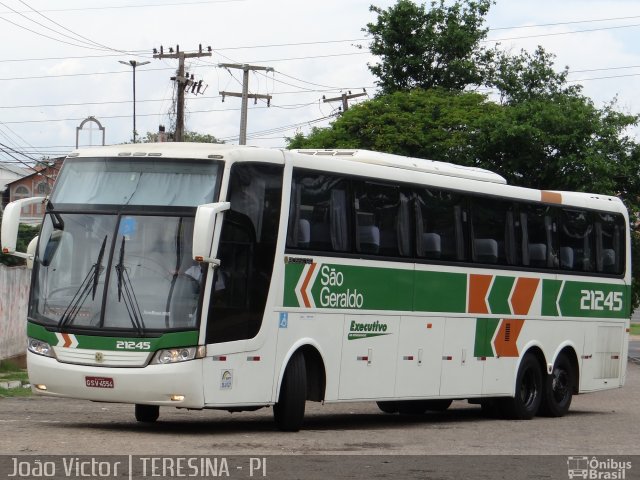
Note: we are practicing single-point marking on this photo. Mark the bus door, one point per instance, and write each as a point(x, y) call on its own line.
point(239, 372)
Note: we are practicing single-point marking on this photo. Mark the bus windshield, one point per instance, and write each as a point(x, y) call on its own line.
point(113, 255)
point(130, 181)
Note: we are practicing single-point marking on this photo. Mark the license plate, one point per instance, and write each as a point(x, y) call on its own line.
point(98, 382)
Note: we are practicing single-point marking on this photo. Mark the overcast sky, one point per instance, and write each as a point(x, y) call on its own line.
point(54, 75)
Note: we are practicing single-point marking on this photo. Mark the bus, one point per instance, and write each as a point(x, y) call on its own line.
point(206, 276)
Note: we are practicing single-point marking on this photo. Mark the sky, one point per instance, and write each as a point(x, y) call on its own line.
point(59, 63)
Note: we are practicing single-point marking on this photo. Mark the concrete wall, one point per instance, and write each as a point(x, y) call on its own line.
point(14, 294)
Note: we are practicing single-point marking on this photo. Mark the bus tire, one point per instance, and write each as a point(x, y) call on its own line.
point(147, 413)
point(288, 413)
point(528, 393)
point(558, 388)
point(438, 405)
point(388, 406)
point(412, 407)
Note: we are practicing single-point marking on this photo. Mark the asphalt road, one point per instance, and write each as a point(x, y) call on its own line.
point(340, 440)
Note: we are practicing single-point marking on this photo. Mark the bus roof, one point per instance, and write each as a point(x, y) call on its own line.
point(165, 149)
point(409, 163)
point(363, 157)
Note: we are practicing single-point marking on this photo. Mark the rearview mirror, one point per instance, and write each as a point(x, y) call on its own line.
point(10, 224)
point(206, 231)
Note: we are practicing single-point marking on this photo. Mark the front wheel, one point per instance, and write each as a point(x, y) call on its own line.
point(558, 389)
point(438, 405)
point(528, 395)
point(289, 411)
point(147, 413)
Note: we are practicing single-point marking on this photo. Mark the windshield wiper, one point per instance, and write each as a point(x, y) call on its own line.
point(88, 285)
point(130, 300)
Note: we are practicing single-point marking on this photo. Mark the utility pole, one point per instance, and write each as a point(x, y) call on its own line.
point(245, 95)
point(345, 99)
point(182, 81)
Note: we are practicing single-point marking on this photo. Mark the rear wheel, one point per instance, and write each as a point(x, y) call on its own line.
point(528, 395)
point(388, 407)
point(412, 407)
point(558, 388)
point(289, 411)
point(147, 413)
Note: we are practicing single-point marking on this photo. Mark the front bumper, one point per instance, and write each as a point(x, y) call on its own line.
point(151, 385)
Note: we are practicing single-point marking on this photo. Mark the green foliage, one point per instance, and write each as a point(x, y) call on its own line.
point(25, 234)
point(152, 137)
point(526, 76)
point(436, 123)
point(439, 47)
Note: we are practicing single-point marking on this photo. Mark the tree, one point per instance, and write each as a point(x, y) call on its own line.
point(439, 47)
point(437, 124)
point(526, 76)
point(152, 137)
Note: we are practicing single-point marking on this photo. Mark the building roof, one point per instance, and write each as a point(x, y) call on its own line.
point(13, 168)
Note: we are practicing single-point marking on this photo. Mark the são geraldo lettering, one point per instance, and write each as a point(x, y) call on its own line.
point(330, 278)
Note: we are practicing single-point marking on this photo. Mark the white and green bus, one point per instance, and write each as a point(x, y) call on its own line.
point(224, 277)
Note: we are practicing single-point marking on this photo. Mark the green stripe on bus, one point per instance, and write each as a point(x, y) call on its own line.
point(485, 330)
point(335, 286)
point(373, 288)
point(550, 292)
point(95, 342)
point(499, 295)
point(440, 292)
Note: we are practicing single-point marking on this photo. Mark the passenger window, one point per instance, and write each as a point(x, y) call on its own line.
point(493, 232)
point(318, 216)
point(382, 219)
point(439, 225)
point(576, 241)
point(539, 239)
point(609, 231)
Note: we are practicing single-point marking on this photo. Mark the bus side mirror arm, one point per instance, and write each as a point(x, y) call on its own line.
point(11, 223)
point(206, 231)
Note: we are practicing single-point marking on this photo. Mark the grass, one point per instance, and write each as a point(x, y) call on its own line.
point(10, 372)
point(635, 329)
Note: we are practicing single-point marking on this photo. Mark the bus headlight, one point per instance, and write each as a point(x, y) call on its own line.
point(39, 347)
point(176, 355)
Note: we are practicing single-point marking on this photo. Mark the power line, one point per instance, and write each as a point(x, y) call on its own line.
point(64, 28)
point(181, 4)
point(566, 23)
point(562, 33)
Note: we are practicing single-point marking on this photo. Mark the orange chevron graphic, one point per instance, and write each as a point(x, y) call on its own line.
point(523, 294)
point(67, 340)
point(478, 289)
point(305, 284)
point(506, 339)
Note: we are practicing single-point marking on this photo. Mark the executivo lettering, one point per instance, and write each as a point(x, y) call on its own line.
point(366, 330)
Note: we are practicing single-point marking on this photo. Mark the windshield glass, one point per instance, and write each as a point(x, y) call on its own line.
point(129, 181)
point(146, 261)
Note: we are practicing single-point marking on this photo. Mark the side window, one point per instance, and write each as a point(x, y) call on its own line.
point(538, 232)
point(382, 219)
point(610, 236)
point(319, 213)
point(577, 234)
point(439, 225)
point(493, 232)
point(247, 251)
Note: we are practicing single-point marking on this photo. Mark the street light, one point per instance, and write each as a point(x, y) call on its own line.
point(134, 64)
